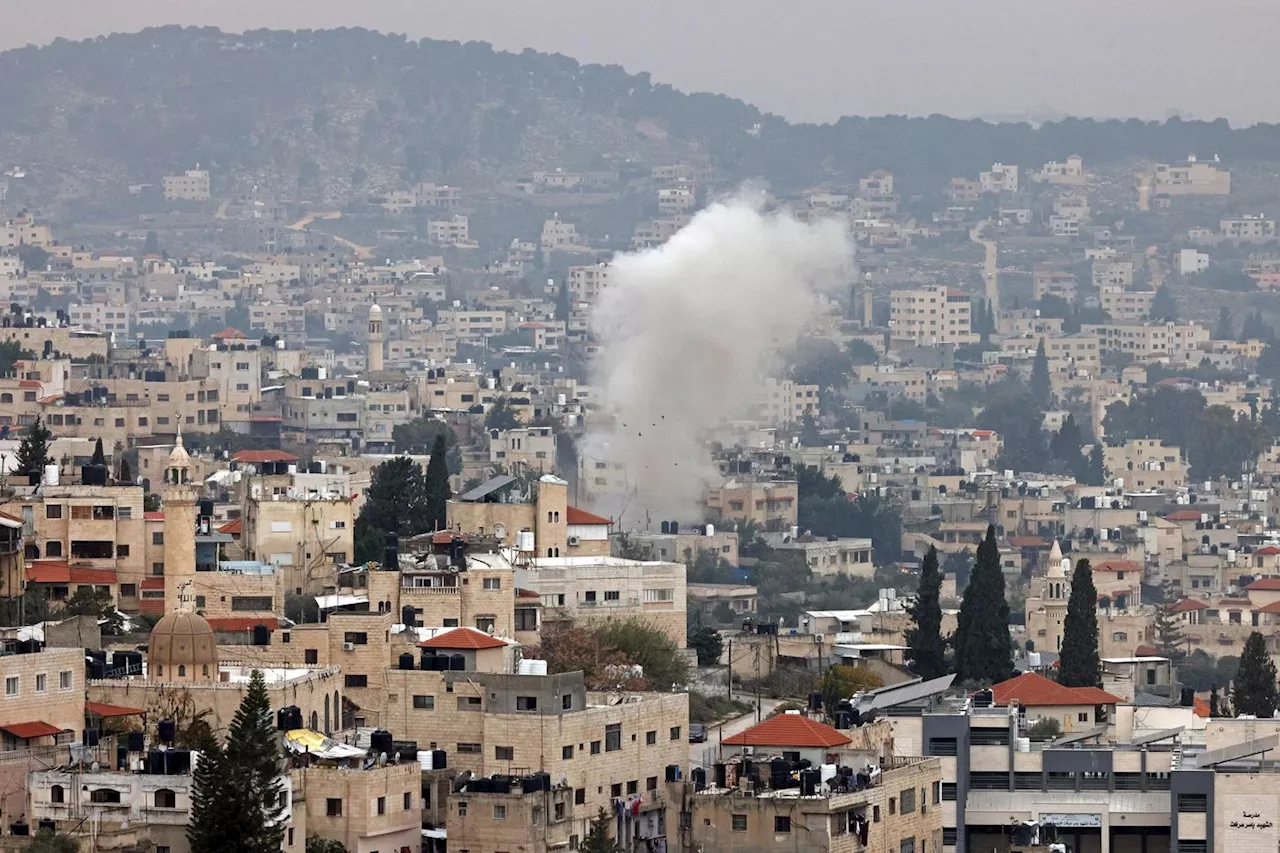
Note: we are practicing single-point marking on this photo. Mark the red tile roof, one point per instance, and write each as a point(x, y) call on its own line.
point(1200, 707)
point(527, 593)
point(234, 527)
point(28, 383)
point(59, 571)
point(1035, 690)
point(242, 623)
point(1186, 605)
point(1183, 515)
point(153, 516)
point(1146, 652)
point(33, 729)
point(153, 583)
point(103, 709)
point(255, 456)
point(1267, 551)
point(1117, 566)
point(1028, 542)
point(1273, 607)
point(573, 515)
point(442, 537)
point(790, 730)
point(229, 333)
point(1265, 585)
point(462, 638)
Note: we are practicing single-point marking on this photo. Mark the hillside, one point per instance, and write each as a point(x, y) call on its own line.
point(321, 108)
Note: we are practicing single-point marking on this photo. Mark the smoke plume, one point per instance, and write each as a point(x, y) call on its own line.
point(689, 331)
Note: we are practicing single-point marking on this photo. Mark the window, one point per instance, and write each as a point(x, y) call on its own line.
point(499, 811)
point(504, 753)
point(466, 703)
point(589, 596)
point(579, 796)
point(650, 738)
point(612, 595)
point(53, 548)
point(595, 747)
point(566, 752)
point(424, 703)
point(781, 823)
point(937, 793)
point(675, 733)
point(739, 823)
point(615, 790)
point(333, 807)
point(157, 537)
point(311, 656)
point(11, 686)
point(359, 638)
point(651, 783)
point(64, 680)
point(632, 786)
point(908, 800)
point(122, 550)
point(124, 512)
point(357, 681)
point(382, 805)
point(250, 603)
point(526, 619)
point(1193, 803)
point(41, 682)
point(875, 814)
point(1082, 716)
point(166, 799)
point(493, 583)
point(129, 590)
point(468, 749)
point(613, 737)
point(53, 510)
point(104, 795)
point(408, 800)
point(907, 845)
point(526, 703)
point(57, 794)
point(566, 701)
point(893, 805)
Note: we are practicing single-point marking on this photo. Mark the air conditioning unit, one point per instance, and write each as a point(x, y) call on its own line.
point(348, 647)
point(818, 638)
point(573, 540)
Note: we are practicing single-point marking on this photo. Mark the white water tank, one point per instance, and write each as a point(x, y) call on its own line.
point(533, 667)
point(711, 530)
point(51, 475)
point(524, 540)
point(1024, 744)
point(561, 399)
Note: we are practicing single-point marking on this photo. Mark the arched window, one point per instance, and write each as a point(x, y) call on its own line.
point(182, 671)
point(57, 794)
point(549, 552)
point(315, 721)
point(1119, 636)
point(159, 669)
point(204, 670)
point(166, 799)
point(549, 516)
point(6, 398)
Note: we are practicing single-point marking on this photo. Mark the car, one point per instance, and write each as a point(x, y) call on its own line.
point(697, 733)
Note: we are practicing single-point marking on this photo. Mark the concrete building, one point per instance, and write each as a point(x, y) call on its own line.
point(930, 316)
point(1000, 178)
point(1070, 173)
point(1193, 177)
point(191, 185)
point(499, 509)
point(1248, 227)
point(770, 504)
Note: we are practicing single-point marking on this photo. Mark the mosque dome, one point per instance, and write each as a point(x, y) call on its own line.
point(182, 647)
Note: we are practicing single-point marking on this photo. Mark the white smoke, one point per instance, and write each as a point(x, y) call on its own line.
point(689, 331)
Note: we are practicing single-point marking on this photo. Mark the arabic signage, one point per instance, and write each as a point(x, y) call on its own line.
point(1072, 821)
point(1251, 820)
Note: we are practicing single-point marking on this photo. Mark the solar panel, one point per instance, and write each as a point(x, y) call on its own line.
point(1238, 750)
point(1077, 737)
point(901, 694)
point(1156, 737)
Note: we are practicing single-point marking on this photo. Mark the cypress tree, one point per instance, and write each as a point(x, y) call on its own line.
point(1224, 330)
point(99, 456)
point(126, 473)
point(33, 449)
point(437, 490)
point(597, 839)
point(1041, 387)
point(984, 652)
point(252, 767)
point(212, 807)
point(1254, 690)
point(1078, 665)
point(925, 639)
point(1215, 703)
point(1164, 625)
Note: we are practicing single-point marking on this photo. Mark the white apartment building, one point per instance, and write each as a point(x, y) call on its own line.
point(103, 317)
point(449, 232)
point(1247, 227)
point(931, 315)
point(1070, 172)
point(675, 201)
point(586, 283)
point(557, 234)
point(1000, 179)
point(191, 185)
point(1191, 262)
point(1191, 178)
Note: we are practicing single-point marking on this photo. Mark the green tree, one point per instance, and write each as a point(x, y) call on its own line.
point(707, 643)
point(924, 638)
point(502, 415)
point(597, 839)
point(11, 351)
point(1254, 691)
point(861, 352)
point(33, 449)
point(213, 803)
point(984, 653)
point(960, 564)
point(1096, 472)
point(395, 503)
point(842, 682)
point(437, 487)
point(316, 844)
point(126, 473)
point(1041, 386)
point(48, 841)
point(418, 436)
point(252, 764)
point(1166, 634)
point(151, 244)
point(821, 362)
point(1163, 306)
point(650, 648)
point(1224, 330)
point(1078, 664)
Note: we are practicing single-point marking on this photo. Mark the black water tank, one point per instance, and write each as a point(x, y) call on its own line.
point(407, 617)
point(177, 762)
point(1188, 697)
point(206, 508)
point(19, 828)
point(406, 661)
point(167, 731)
point(381, 741)
point(261, 635)
point(673, 772)
point(133, 663)
point(46, 824)
point(809, 782)
point(155, 762)
point(501, 784)
point(720, 775)
point(779, 772)
point(699, 778)
point(438, 759)
point(137, 741)
point(120, 662)
point(457, 662)
point(91, 737)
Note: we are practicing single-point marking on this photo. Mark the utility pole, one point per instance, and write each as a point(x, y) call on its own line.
point(728, 676)
point(757, 682)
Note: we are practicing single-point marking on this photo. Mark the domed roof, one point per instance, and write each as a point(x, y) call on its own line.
point(178, 457)
point(182, 637)
point(375, 311)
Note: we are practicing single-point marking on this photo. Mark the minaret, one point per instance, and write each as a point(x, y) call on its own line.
point(1055, 598)
point(374, 362)
point(180, 498)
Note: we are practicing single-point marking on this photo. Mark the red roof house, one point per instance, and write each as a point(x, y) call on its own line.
point(789, 731)
point(1036, 691)
point(463, 638)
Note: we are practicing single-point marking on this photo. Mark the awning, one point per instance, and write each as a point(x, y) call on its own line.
point(437, 833)
point(33, 729)
point(104, 709)
point(329, 602)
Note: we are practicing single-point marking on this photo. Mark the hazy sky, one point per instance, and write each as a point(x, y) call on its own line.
point(815, 59)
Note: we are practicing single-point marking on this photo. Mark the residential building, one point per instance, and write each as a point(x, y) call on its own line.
point(999, 179)
point(1071, 172)
point(1193, 177)
point(767, 503)
point(930, 316)
point(1248, 227)
point(453, 231)
point(191, 185)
